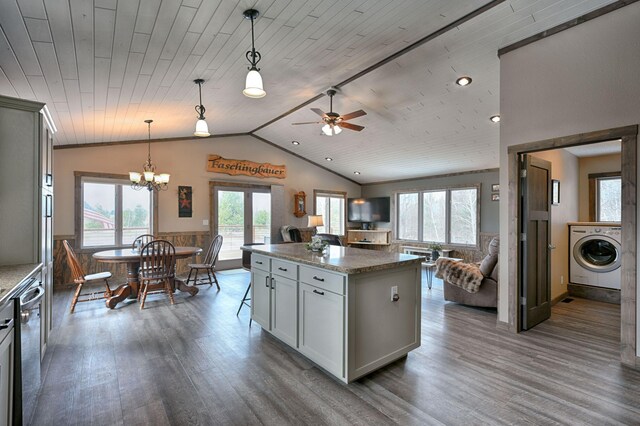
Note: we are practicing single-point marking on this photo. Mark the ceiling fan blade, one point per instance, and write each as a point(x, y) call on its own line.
point(350, 126)
point(319, 112)
point(353, 114)
point(308, 122)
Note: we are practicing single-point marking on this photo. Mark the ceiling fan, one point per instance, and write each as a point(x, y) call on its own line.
point(334, 122)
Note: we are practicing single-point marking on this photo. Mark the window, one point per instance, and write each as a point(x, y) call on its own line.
point(110, 212)
point(332, 206)
point(605, 197)
point(448, 216)
point(609, 196)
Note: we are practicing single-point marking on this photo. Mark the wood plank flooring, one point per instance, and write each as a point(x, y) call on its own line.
point(197, 363)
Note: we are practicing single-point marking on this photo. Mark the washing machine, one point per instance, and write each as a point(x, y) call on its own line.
point(595, 255)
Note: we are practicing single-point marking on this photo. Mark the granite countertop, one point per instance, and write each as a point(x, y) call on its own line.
point(347, 260)
point(13, 275)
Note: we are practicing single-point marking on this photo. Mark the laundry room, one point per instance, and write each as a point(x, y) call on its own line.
point(585, 230)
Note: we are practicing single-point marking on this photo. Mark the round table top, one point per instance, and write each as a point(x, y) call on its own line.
point(129, 254)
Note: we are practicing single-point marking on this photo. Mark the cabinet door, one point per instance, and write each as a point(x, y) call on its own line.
point(7, 367)
point(321, 334)
point(261, 298)
point(284, 309)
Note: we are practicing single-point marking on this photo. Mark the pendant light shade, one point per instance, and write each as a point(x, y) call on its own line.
point(202, 129)
point(253, 87)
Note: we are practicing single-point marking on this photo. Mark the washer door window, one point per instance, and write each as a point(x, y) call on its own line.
point(597, 253)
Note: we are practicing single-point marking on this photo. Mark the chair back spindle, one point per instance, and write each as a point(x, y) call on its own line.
point(76, 270)
point(214, 250)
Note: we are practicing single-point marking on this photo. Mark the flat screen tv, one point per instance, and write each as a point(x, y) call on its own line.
point(369, 209)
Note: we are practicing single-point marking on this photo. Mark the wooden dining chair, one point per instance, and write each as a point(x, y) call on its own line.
point(80, 279)
point(143, 240)
point(157, 270)
point(209, 264)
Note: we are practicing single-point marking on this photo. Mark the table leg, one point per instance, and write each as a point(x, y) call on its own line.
point(182, 286)
point(429, 277)
point(128, 290)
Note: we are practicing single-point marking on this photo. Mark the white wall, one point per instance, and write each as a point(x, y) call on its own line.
point(565, 168)
point(588, 165)
point(186, 162)
point(580, 80)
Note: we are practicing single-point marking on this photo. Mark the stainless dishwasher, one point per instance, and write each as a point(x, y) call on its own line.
point(30, 355)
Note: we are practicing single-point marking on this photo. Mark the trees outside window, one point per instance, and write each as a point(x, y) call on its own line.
point(448, 216)
point(331, 206)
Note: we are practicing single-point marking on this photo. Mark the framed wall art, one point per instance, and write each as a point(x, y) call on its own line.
point(185, 204)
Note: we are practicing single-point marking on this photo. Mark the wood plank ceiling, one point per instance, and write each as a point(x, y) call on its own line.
point(104, 66)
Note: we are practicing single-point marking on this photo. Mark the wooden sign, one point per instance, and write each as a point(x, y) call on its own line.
point(217, 164)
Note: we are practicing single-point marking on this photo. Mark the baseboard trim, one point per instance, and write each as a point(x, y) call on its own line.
point(559, 298)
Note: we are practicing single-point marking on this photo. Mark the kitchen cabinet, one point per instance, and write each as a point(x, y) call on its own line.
point(261, 297)
point(351, 311)
point(321, 336)
point(284, 309)
point(7, 363)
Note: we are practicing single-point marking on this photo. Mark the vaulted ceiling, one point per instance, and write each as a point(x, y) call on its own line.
point(104, 66)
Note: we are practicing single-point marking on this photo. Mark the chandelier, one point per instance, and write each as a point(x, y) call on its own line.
point(148, 178)
point(253, 84)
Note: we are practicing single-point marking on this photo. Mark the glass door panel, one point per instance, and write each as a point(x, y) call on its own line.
point(231, 220)
point(261, 217)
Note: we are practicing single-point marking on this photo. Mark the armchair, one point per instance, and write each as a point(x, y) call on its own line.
point(487, 294)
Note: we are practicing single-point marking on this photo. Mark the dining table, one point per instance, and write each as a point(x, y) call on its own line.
point(131, 257)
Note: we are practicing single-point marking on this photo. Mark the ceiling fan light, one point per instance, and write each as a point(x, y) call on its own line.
point(202, 129)
point(326, 129)
point(253, 86)
point(337, 129)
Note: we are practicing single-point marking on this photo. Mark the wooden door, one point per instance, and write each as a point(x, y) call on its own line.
point(535, 236)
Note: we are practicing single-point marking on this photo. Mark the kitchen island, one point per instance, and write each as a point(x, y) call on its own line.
point(349, 310)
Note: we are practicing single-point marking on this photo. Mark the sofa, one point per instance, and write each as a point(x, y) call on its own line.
point(487, 294)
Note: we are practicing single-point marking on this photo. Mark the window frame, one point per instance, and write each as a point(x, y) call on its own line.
point(594, 196)
point(334, 194)
point(447, 190)
point(110, 178)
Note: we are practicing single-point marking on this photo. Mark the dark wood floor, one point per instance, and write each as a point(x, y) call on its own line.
point(197, 363)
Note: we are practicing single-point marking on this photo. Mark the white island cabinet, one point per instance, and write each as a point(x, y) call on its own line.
point(338, 308)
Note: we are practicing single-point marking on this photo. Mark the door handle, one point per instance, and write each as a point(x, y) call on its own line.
point(280, 268)
point(272, 286)
point(318, 278)
point(552, 247)
point(266, 282)
point(321, 293)
point(8, 322)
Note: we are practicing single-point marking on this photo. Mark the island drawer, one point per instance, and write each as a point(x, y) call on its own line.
point(322, 278)
point(284, 269)
point(259, 261)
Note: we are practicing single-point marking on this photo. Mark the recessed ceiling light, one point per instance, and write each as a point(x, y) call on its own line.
point(495, 118)
point(328, 158)
point(464, 81)
point(356, 173)
point(295, 142)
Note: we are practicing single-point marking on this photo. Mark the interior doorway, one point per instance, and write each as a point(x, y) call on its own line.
point(628, 138)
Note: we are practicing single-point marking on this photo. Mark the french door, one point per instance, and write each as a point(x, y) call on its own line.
point(242, 216)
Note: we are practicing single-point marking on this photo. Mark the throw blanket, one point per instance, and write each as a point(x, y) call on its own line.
point(464, 275)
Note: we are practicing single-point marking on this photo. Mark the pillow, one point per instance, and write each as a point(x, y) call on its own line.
point(489, 262)
point(495, 272)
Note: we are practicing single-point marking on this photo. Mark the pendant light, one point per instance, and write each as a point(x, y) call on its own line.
point(202, 129)
point(148, 178)
point(253, 86)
